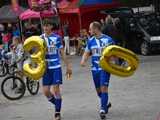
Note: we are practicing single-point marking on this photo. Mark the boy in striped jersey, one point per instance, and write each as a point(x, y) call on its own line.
point(52, 78)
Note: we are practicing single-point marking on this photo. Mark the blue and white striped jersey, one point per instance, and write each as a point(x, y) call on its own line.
point(54, 44)
point(95, 46)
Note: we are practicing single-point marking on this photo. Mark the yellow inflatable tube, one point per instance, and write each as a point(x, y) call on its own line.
point(122, 53)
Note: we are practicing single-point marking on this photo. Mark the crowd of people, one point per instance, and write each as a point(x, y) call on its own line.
point(113, 27)
point(7, 32)
point(110, 26)
point(11, 44)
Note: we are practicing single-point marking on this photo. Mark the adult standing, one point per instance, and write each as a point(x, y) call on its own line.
point(7, 37)
point(66, 38)
point(82, 41)
point(109, 28)
point(120, 37)
point(102, 23)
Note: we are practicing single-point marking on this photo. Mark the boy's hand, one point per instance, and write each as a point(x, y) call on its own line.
point(84, 59)
point(82, 63)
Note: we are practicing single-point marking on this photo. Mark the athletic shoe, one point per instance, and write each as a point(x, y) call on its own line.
point(57, 116)
point(102, 114)
point(108, 107)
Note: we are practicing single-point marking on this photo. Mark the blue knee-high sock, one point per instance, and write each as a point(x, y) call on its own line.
point(51, 99)
point(104, 101)
point(58, 104)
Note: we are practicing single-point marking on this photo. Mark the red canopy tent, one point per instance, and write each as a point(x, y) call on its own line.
point(80, 14)
point(28, 14)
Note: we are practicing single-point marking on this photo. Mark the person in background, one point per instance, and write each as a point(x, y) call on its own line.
point(66, 38)
point(34, 28)
point(28, 29)
point(82, 41)
point(120, 37)
point(31, 29)
point(102, 23)
point(16, 55)
point(110, 29)
point(7, 37)
point(101, 78)
point(16, 31)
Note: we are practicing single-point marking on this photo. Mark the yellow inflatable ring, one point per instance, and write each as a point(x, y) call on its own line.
point(36, 68)
point(125, 54)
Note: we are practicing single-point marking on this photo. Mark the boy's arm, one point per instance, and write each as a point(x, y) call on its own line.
point(86, 55)
point(66, 62)
point(85, 58)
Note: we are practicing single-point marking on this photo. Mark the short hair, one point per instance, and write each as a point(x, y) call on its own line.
point(50, 22)
point(47, 22)
point(96, 25)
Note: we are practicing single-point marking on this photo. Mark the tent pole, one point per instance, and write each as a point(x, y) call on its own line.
point(41, 24)
point(21, 29)
point(80, 21)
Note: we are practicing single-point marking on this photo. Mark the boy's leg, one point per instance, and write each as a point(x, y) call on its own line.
point(104, 83)
point(55, 89)
point(96, 80)
point(104, 98)
point(48, 94)
point(58, 99)
point(46, 86)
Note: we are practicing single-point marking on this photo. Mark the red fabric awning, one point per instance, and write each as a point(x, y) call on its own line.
point(29, 14)
point(33, 14)
point(81, 15)
point(68, 7)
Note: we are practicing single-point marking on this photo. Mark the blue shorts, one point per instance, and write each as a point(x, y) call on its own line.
point(101, 78)
point(52, 77)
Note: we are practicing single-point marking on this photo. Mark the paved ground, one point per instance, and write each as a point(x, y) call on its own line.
point(133, 98)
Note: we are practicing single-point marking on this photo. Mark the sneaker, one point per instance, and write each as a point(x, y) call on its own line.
point(102, 114)
point(57, 116)
point(108, 107)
